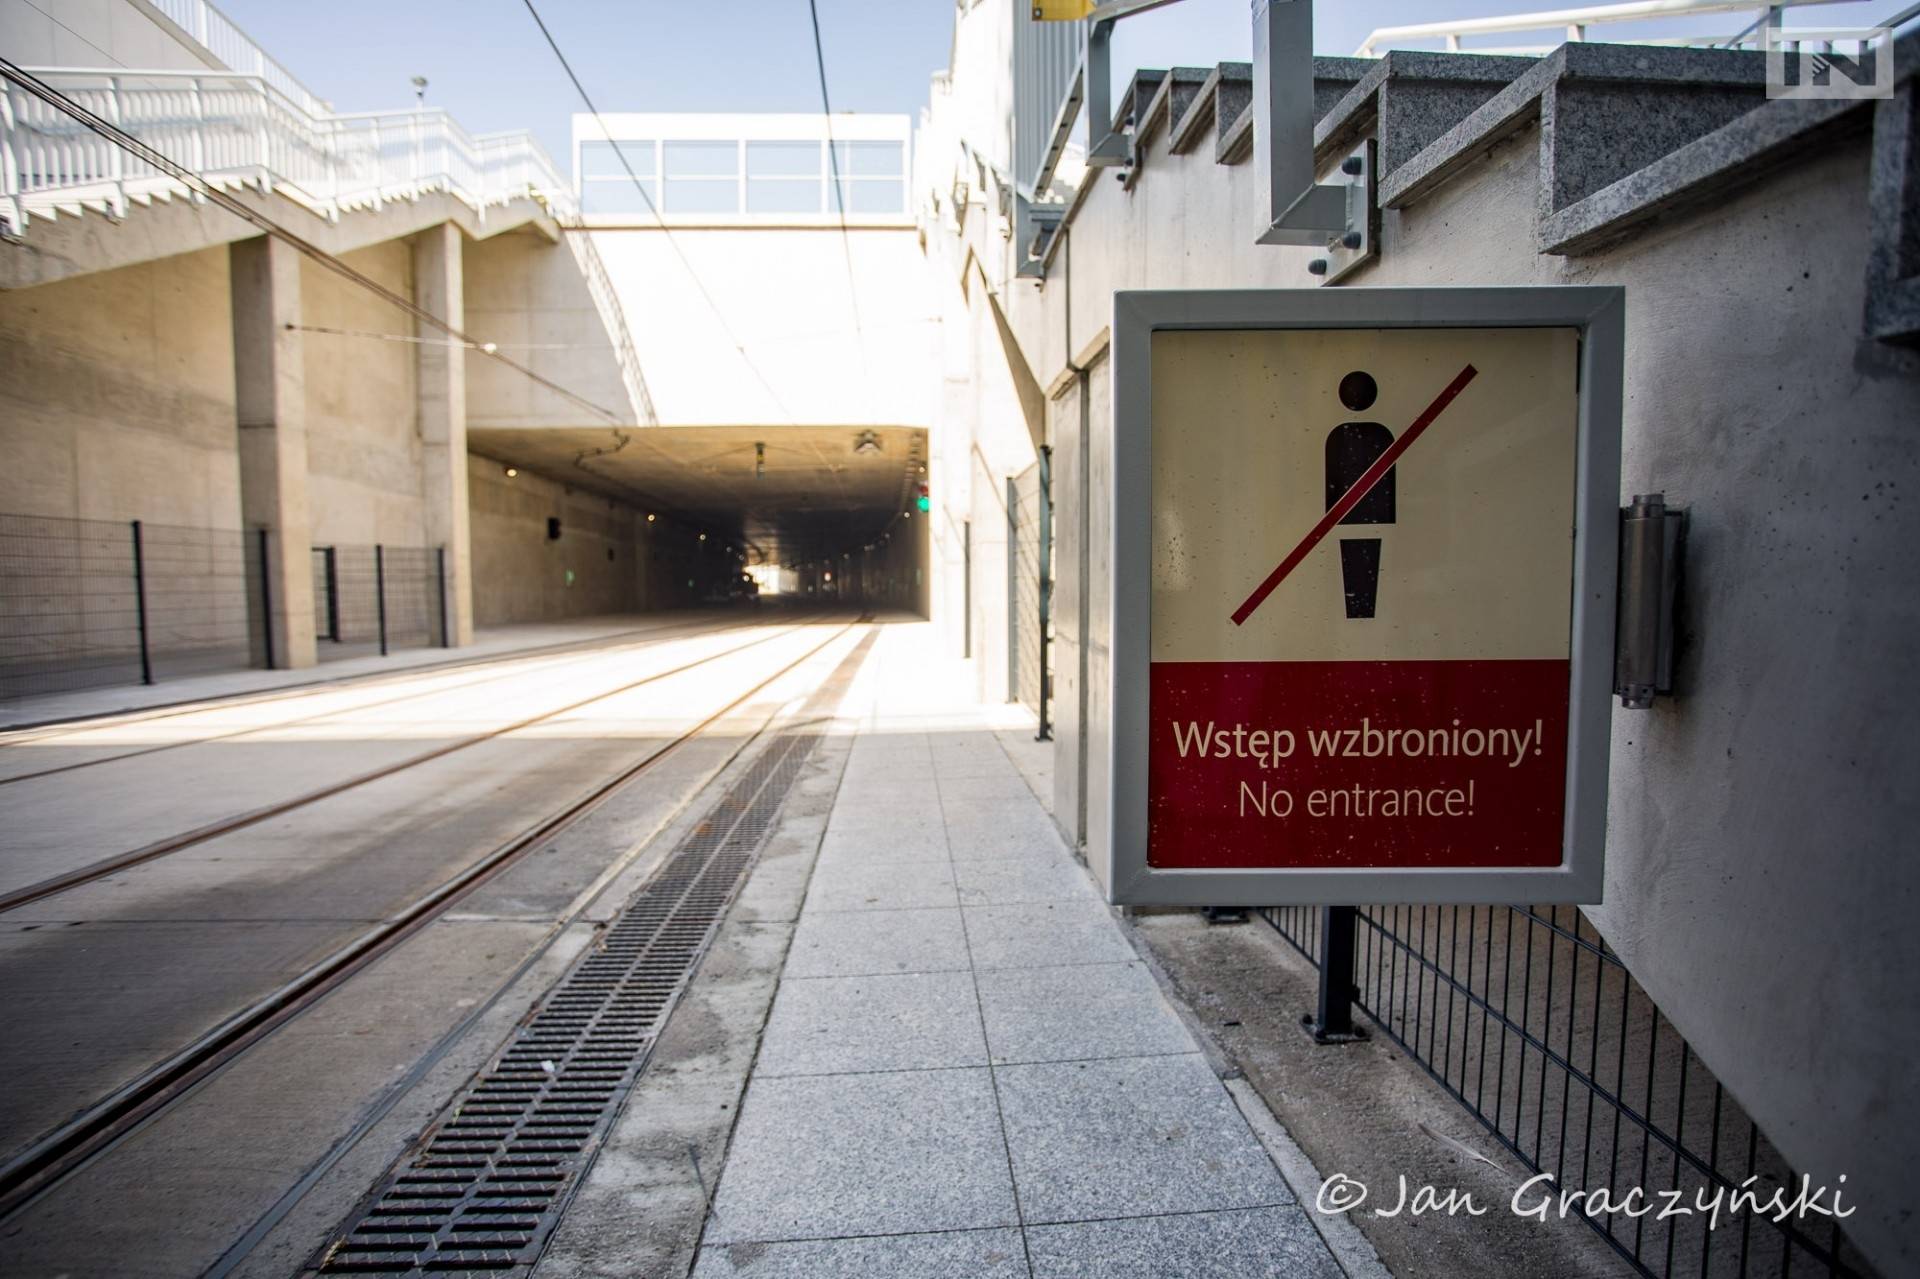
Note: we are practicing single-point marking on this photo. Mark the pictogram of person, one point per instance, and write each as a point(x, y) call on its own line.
point(1352, 447)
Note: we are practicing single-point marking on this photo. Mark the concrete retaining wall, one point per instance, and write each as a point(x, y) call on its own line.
point(363, 438)
point(116, 396)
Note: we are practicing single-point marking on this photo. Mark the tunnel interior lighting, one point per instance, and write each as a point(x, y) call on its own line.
point(512, 471)
point(649, 517)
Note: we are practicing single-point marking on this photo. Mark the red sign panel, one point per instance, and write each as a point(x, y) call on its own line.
point(1356, 764)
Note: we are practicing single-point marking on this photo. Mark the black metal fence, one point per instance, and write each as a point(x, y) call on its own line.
point(374, 599)
point(1528, 1020)
point(85, 603)
point(91, 603)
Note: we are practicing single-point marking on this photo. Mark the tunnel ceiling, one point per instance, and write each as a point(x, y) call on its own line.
point(814, 494)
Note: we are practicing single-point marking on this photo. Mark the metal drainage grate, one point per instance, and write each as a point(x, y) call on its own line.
point(488, 1182)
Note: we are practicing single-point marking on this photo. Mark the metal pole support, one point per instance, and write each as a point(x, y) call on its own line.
point(332, 558)
point(140, 603)
point(380, 592)
point(1045, 573)
point(1332, 1020)
point(1013, 590)
point(266, 601)
point(440, 566)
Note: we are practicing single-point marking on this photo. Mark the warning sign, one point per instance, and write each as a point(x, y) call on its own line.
point(1361, 595)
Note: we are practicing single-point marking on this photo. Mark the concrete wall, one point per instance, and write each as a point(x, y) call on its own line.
point(524, 291)
point(618, 561)
point(116, 396)
point(989, 418)
point(1759, 883)
point(1067, 436)
point(92, 33)
point(363, 438)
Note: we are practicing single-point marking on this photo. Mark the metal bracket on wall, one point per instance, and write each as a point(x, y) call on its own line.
point(1091, 84)
point(1302, 211)
point(1652, 541)
point(1105, 147)
point(1034, 226)
point(1359, 240)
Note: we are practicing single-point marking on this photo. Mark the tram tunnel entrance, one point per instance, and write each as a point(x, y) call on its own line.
point(571, 522)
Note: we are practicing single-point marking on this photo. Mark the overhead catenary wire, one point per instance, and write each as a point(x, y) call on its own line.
point(486, 348)
point(839, 189)
point(215, 195)
point(673, 241)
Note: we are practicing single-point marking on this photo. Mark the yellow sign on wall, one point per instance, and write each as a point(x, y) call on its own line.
point(1061, 10)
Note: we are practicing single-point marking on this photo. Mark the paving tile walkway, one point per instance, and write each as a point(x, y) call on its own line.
point(967, 1072)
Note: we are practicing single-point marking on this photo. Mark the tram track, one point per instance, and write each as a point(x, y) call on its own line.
point(518, 664)
point(37, 730)
point(96, 1127)
point(94, 871)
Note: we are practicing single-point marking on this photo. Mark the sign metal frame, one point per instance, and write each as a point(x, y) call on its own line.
point(1598, 314)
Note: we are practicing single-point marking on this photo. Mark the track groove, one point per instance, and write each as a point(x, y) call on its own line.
point(62, 1151)
point(225, 826)
point(343, 685)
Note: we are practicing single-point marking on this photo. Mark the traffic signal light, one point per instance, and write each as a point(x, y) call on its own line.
point(923, 502)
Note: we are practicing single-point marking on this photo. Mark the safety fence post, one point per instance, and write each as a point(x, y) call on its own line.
point(140, 603)
point(1013, 590)
point(966, 589)
point(266, 600)
point(440, 567)
point(331, 557)
point(380, 591)
point(1045, 733)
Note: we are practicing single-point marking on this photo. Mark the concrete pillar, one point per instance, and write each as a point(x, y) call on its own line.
point(438, 286)
point(270, 399)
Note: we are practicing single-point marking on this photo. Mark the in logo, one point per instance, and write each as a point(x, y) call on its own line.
point(1839, 62)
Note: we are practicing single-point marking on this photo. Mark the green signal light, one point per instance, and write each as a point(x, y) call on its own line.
point(925, 504)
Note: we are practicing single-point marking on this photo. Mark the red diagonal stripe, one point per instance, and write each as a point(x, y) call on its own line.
point(1361, 487)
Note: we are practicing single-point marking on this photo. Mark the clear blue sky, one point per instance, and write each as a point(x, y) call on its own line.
point(486, 62)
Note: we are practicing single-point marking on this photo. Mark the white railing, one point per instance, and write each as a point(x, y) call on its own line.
point(228, 124)
point(1575, 23)
point(213, 31)
point(607, 302)
point(232, 127)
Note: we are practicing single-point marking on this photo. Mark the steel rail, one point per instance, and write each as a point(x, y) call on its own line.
point(506, 661)
point(87, 874)
point(30, 733)
point(65, 1149)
